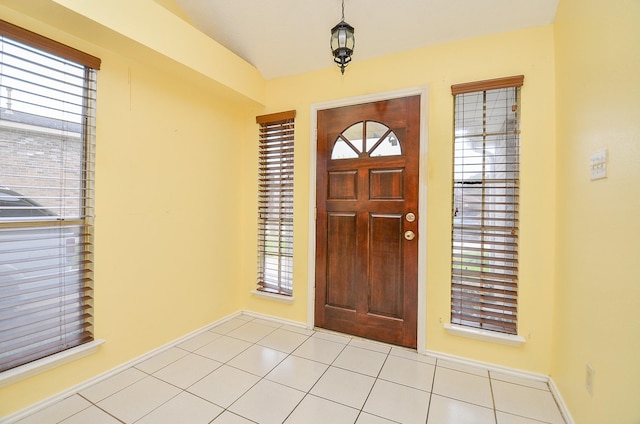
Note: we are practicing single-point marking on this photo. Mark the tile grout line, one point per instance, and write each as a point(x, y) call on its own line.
point(96, 406)
point(222, 364)
point(261, 379)
point(325, 371)
point(433, 383)
point(289, 354)
point(377, 377)
point(308, 393)
point(186, 390)
point(528, 387)
point(493, 398)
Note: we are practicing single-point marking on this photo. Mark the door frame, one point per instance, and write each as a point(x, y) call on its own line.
point(423, 92)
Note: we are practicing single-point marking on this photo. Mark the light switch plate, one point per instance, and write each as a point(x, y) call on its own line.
point(598, 165)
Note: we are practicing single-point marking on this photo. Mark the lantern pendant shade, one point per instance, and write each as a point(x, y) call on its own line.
point(342, 43)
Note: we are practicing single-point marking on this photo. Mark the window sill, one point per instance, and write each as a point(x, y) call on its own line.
point(485, 335)
point(36, 367)
point(273, 296)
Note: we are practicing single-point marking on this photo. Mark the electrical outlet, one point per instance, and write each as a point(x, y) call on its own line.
point(588, 378)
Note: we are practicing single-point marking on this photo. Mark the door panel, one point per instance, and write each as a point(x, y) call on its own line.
point(385, 264)
point(367, 181)
point(386, 184)
point(341, 275)
point(343, 185)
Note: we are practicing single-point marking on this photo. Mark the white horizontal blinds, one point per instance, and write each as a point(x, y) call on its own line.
point(275, 203)
point(47, 125)
point(484, 292)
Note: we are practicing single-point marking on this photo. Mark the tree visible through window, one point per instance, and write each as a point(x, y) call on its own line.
point(275, 203)
point(47, 98)
point(484, 285)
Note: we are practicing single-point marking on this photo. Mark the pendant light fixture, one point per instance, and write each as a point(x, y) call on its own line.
point(342, 42)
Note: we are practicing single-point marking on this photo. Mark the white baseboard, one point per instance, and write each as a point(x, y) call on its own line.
point(276, 319)
point(23, 413)
point(491, 367)
point(563, 406)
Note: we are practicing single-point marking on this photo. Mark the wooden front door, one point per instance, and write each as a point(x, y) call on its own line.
point(367, 223)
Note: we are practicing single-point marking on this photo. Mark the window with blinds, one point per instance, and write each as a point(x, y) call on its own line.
point(275, 203)
point(47, 108)
point(484, 285)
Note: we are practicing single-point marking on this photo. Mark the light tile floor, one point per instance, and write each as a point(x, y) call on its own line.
point(250, 370)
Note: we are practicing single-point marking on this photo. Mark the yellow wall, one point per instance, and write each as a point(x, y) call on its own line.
point(597, 312)
point(151, 33)
point(167, 194)
point(528, 52)
point(176, 188)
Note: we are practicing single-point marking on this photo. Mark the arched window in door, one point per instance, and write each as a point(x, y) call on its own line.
point(366, 139)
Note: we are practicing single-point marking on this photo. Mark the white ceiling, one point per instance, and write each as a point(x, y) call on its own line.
point(288, 37)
